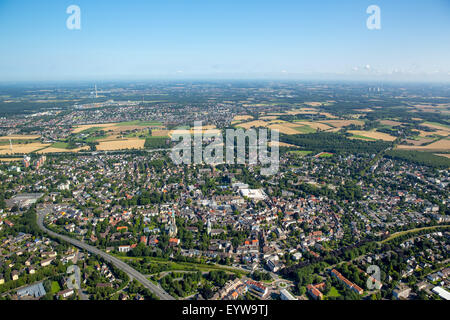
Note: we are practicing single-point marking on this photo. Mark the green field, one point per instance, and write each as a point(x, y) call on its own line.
point(356, 136)
point(55, 287)
point(187, 266)
point(60, 145)
point(155, 142)
point(139, 123)
point(333, 293)
point(300, 152)
point(305, 129)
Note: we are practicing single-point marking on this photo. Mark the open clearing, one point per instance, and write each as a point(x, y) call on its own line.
point(242, 117)
point(119, 126)
point(121, 144)
point(441, 145)
point(10, 159)
point(314, 125)
point(20, 137)
point(342, 123)
point(23, 148)
point(391, 123)
point(373, 134)
point(58, 150)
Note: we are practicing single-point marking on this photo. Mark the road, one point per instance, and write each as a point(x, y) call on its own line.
point(132, 273)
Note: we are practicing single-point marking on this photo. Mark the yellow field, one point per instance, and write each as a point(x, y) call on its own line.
point(104, 126)
point(441, 145)
point(160, 133)
point(242, 117)
point(373, 134)
point(283, 144)
point(253, 124)
point(10, 159)
point(436, 127)
point(390, 123)
point(342, 123)
point(20, 137)
point(115, 127)
point(315, 125)
point(283, 128)
point(268, 118)
point(22, 148)
point(132, 143)
point(58, 150)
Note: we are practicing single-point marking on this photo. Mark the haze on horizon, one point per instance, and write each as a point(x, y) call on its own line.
point(177, 39)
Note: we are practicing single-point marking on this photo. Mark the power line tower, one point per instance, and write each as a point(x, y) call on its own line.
point(10, 145)
point(96, 95)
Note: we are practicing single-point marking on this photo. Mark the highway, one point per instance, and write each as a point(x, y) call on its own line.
point(132, 273)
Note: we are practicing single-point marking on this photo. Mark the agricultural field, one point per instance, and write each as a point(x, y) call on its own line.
point(373, 134)
point(122, 144)
point(10, 159)
point(22, 148)
point(440, 145)
point(20, 137)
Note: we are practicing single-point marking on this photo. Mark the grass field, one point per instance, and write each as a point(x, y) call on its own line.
point(334, 293)
point(55, 287)
point(373, 134)
point(300, 152)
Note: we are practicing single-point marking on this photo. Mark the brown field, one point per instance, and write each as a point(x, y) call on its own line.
point(373, 134)
point(417, 142)
point(315, 125)
point(58, 150)
point(313, 104)
point(283, 128)
point(252, 124)
point(302, 111)
point(160, 133)
point(104, 126)
point(436, 126)
point(283, 144)
point(242, 117)
point(342, 123)
point(23, 148)
point(443, 133)
point(132, 143)
point(114, 127)
point(390, 123)
point(10, 159)
point(269, 118)
point(20, 137)
point(441, 145)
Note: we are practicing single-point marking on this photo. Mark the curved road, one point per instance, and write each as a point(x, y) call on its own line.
point(132, 273)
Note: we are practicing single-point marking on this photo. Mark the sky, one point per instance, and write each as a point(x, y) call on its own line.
point(163, 39)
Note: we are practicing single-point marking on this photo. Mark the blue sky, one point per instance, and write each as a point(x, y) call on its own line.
point(209, 38)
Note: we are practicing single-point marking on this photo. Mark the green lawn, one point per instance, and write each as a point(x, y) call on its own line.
point(301, 152)
point(356, 136)
point(333, 292)
point(55, 287)
point(305, 129)
point(60, 145)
